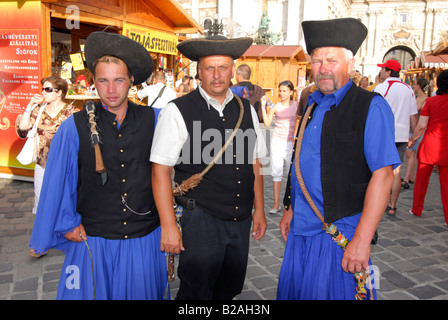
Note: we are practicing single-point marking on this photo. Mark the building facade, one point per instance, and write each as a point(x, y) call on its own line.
point(399, 29)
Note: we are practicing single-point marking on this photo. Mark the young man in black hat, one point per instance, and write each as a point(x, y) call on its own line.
point(341, 174)
point(214, 241)
point(97, 203)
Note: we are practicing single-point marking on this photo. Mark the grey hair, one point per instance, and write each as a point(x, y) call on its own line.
point(348, 54)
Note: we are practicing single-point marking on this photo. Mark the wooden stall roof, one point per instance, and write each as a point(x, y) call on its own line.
point(441, 49)
point(426, 61)
point(165, 15)
point(277, 52)
point(431, 58)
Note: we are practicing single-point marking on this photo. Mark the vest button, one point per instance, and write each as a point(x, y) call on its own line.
point(125, 237)
point(125, 223)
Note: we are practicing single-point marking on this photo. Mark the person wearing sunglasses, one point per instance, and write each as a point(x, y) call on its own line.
point(55, 112)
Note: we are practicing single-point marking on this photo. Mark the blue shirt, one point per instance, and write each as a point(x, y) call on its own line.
point(56, 213)
point(379, 150)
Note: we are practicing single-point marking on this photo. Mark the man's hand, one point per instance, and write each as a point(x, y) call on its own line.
point(356, 256)
point(259, 225)
point(77, 235)
point(285, 223)
point(171, 240)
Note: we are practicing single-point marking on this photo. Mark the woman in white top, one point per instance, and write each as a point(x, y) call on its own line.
point(285, 112)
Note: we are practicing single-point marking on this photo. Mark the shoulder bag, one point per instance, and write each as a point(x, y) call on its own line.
point(28, 154)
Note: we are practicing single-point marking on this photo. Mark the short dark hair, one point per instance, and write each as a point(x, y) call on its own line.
point(58, 84)
point(244, 71)
point(393, 73)
point(423, 83)
point(288, 84)
point(442, 83)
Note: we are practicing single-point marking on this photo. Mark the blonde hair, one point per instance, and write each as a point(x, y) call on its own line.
point(110, 59)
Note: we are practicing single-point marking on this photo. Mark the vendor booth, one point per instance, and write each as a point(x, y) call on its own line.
point(428, 65)
point(43, 38)
point(271, 65)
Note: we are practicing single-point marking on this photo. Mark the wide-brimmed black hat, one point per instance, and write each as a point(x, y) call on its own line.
point(136, 57)
point(194, 49)
point(347, 33)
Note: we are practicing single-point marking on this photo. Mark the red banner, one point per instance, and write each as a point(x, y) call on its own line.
point(20, 73)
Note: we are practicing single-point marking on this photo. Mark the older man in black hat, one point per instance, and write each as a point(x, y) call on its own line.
point(97, 203)
point(341, 174)
point(216, 221)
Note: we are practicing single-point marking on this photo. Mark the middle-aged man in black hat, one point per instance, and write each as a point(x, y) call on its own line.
point(97, 203)
point(341, 174)
point(214, 242)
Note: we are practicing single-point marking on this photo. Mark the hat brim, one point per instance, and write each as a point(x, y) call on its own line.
point(347, 33)
point(194, 49)
point(133, 54)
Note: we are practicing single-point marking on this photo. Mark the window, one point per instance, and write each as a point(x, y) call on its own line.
point(403, 17)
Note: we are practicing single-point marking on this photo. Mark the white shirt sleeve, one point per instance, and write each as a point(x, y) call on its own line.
point(260, 150)
point(142, 94)
point(169, 136)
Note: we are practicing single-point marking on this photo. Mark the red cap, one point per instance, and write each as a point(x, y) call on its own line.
point(391, 64)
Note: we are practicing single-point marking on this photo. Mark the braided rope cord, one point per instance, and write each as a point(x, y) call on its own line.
point(330, 228)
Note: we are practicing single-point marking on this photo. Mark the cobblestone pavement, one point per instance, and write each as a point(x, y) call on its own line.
point(411, 254)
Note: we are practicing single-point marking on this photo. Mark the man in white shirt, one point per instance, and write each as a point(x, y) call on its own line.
point(159, 95)
point(214, 242)
point(402, 101)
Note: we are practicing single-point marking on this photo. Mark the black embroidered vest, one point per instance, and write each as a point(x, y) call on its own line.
point(344, 170)
point(126, 153)
point(227, 190)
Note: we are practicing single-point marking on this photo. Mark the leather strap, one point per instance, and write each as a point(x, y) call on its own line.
point(195, 179)
point(313, 206)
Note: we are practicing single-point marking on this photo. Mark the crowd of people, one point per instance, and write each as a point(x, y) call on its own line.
point(125, 184)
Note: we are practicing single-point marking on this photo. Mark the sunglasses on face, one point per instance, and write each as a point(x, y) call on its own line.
point(49, 89)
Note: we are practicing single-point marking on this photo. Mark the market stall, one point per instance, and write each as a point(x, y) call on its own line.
point(43, 38)
point(428, 65)
point(271, 65)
